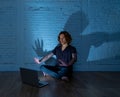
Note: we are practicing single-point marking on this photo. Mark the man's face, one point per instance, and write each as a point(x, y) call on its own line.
point(62, 39)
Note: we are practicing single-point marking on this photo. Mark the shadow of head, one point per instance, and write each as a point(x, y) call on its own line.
point(77, 22)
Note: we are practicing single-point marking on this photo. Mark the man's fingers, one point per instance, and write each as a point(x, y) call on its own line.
point(36, 60)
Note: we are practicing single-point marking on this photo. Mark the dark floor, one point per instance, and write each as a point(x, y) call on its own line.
point(83, 84)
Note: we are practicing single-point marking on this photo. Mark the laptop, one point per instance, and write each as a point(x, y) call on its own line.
point(30, 77)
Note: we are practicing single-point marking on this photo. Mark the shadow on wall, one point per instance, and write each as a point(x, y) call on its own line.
point(38, 48)
point(95, 39)
point(76, 24)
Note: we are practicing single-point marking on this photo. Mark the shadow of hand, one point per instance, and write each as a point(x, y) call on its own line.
point(38, 48)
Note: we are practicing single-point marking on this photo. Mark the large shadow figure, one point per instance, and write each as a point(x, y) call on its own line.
point(76, 24)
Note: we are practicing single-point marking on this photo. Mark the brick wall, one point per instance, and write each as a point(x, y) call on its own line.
point(29, 28)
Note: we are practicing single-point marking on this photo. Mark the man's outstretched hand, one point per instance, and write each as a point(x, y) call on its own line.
point(37, 60)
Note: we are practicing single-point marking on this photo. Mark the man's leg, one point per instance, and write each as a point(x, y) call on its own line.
point(50, 70)
point(65, 73)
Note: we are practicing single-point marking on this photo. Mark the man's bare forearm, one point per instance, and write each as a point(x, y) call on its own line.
point(74, 59)
point(46, 57)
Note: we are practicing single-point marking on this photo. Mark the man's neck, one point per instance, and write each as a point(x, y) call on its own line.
point(64, 45)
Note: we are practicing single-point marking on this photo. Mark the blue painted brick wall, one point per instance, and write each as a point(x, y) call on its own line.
point(29, 28)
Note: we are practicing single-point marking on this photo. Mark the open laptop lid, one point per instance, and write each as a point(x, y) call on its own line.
point(29, 76)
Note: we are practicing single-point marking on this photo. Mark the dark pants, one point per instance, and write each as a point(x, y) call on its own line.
point(57, 71)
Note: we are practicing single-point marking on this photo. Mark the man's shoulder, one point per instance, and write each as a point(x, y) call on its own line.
point(73, 49)
point(57, 46)
point(71, 46)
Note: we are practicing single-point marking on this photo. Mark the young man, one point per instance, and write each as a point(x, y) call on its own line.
point(66, 56)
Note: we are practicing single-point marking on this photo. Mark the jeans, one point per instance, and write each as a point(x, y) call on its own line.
point(57, 71)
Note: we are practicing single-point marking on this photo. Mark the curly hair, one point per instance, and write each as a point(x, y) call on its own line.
point(67, 36)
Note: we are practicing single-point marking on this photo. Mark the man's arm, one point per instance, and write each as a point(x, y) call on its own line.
point(43, 59)
point(46, 57)
point(72, 61)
